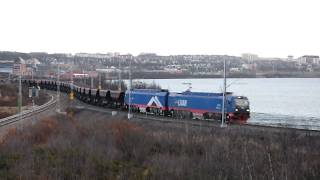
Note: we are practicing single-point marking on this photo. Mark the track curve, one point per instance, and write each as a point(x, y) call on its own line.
point(29, 113)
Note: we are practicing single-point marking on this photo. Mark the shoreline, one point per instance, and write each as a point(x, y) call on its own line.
point(155, 75)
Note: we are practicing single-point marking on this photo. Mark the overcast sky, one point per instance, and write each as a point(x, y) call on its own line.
point(269, 28)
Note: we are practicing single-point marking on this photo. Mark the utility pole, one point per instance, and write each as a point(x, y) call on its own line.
point(91, 77)
point(99, 87)
point(20, 94)
point(32, 74)
point(71, 95)
point(130, 87)
point(91, 82)
point(71, 78)
point(58, 89)
point(223, 117)
point(84, 77)
point(20, 90)
point(120, 74)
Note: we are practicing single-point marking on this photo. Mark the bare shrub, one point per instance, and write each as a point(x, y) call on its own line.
point(93, 147)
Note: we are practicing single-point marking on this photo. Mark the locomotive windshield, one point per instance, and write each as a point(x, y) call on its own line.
point(242, 103)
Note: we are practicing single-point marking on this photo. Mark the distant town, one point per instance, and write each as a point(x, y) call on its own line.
point(152, 66)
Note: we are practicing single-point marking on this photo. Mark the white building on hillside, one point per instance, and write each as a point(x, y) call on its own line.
point(250, 57)
point(307, 59)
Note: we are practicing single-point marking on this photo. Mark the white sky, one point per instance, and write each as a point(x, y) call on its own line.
point(272, 28)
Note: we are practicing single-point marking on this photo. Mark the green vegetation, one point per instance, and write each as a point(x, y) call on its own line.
point(66, 147)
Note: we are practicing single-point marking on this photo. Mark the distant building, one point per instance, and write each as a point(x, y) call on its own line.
point(250, 57)
point(174, 69)
point(234, 70)
point(32, 62)
point(307, 59)
point(96, 55)
point(250, 67)
point(43, 70)
point(147, 54)
point(19, 66)
point(6, 66)
point(26, 67)
point(126, 56)
point(290, 58)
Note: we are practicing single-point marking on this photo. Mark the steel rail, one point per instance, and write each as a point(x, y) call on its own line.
point(25, 114)
point(192, 122)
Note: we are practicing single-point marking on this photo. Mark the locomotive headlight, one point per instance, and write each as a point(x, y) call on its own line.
point(248, 110)
point(237, 109)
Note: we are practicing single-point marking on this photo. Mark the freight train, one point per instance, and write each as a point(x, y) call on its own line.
point(185, 105)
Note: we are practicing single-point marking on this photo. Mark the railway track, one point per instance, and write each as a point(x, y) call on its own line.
point(199, 123)
point(27, 114)
point(217, 124)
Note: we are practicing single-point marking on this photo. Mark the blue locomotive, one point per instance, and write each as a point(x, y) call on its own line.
point(193, 105)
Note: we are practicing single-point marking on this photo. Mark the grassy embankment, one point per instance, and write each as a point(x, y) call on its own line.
point(92, 146)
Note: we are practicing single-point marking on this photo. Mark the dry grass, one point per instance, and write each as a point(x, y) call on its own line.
point(65, 147)
point(9, 101)
point(7, 111)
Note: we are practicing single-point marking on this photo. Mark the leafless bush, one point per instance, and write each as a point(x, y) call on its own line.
point(66, 147)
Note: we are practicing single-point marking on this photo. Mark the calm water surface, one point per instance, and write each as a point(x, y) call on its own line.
point(273, 101)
